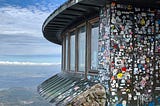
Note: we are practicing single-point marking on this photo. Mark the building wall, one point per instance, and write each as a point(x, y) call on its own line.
point(104, 46)
point(129, 54)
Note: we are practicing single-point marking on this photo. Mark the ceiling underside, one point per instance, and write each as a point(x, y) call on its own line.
point(73, 11)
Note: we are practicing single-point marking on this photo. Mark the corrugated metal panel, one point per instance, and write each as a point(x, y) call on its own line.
point(61, 89)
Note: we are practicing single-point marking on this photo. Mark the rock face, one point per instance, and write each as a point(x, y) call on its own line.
point(95, 96)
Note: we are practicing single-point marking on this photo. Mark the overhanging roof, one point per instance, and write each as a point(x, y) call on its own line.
point(74, 10)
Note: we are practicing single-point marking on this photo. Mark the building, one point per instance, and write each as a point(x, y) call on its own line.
point(112, 42)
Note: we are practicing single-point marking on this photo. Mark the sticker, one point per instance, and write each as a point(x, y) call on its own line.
point(142, 22)
point(135, 97)
point(113, 4)
point(129, 7)
point(124, 103)
point(124, 69)
point(119, 75)
point(118, 13)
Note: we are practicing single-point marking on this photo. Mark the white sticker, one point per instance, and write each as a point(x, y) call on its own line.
point(138, 93)
point(143, 14)
point(113, 93)
point(123, 92)
point(135, 97)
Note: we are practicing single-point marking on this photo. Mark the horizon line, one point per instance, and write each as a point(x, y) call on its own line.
point(28, 63)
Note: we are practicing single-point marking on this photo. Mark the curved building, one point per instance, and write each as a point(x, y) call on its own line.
point(112, 43)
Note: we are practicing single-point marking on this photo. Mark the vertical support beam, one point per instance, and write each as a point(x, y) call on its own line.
point(88, 25)
point(88, 47)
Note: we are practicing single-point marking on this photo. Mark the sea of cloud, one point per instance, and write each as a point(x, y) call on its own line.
point(28, 63)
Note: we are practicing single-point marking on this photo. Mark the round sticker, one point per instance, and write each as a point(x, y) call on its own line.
point(114, 81)
point(119, 13)
point(113, 4)
point(124, 69)
point(123, 81)
point(119, 75)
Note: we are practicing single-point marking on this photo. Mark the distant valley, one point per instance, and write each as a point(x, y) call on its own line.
point(21, 97)
point(18, 84)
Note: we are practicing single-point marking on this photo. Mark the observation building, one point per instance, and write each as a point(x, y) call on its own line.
point(110, 53)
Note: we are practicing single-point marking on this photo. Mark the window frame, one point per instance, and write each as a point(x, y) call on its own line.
point(88, 25)
point(91, 22)
point(70, 49)
point(66, 68)
point(78, 29)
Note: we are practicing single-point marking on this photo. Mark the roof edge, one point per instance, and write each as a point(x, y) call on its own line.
point(59, 10)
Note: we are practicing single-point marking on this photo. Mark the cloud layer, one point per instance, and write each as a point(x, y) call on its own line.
point(21, 27)
point(29, 63)
point(21, 21)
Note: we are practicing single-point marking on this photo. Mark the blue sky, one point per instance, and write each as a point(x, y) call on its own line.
point(21, 24)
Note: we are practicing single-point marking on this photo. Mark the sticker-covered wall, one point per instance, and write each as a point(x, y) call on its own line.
point(144, 55)
point(104, 47)
point(157, 58)
point(121, 53)
point(129, 54)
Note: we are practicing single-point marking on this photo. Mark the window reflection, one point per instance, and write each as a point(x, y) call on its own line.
point(72, 51)
point(66, 59)
point(81, 48)
point(94, 46)
point(75, 49)
point(63, 54)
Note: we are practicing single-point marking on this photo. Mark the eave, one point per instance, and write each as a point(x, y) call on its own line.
point(76, 10)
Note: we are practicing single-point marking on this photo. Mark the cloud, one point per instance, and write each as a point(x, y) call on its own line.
point(29, 63)
point(22, 21)
point(21, 27)
point(25, 17)
point(27, 45)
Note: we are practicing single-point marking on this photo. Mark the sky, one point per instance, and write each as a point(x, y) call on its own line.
point(21, 28)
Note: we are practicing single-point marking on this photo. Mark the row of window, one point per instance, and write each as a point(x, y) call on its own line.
point(80, 48)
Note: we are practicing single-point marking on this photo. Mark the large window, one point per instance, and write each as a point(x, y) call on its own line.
point(81, 48)
point(72, 51)
point(94, 45)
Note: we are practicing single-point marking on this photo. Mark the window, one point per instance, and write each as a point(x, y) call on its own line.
point(66, 55)
point(63, 54)
point(72, 51)
point(81, 48)
point(94, 45)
